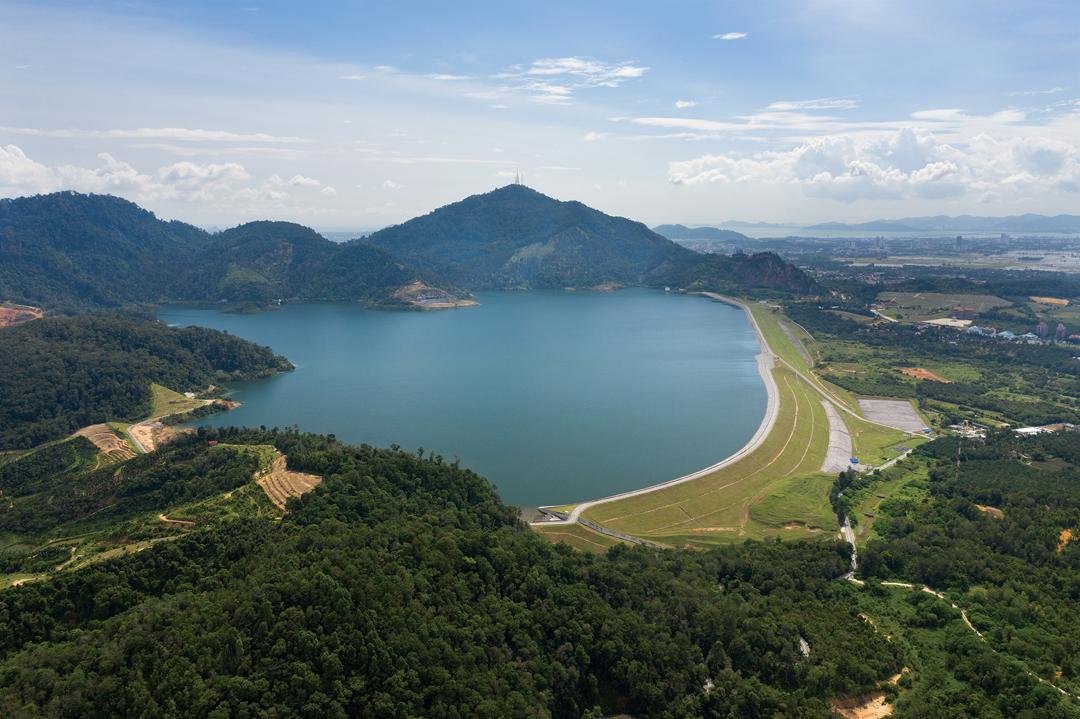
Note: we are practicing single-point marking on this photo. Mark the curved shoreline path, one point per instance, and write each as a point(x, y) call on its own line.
point(766, 360)
point(770, 361)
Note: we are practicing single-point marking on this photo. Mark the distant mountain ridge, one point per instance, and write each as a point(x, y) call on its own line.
point(961, 223)
point(682, 232)
point(69, 251)
point(72, 251)
point(517, 238)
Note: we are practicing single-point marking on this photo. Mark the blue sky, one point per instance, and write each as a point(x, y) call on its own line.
point(356, 115)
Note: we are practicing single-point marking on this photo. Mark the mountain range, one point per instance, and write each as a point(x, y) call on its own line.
point(682, 232)
point(71, 251)
point(1067, 224)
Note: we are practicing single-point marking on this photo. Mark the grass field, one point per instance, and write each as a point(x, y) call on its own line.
point(783, 343)
point(927, 305)
point(167, 402)
point(717, 507)
point(777, 490)
point(578, 537)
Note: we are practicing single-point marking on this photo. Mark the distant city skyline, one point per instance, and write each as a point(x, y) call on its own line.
point(353, 116)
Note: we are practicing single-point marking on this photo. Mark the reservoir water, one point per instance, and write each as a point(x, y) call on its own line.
point(553, 396)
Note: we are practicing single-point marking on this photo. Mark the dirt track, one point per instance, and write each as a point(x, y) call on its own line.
point(281, 484)
point(105, 439)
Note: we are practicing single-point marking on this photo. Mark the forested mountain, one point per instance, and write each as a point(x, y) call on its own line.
point(70, 251)
point(63, 373)
point(263, 261)
point(682, 232)
point(515, 237)
point(402, 586)
point(67, 250)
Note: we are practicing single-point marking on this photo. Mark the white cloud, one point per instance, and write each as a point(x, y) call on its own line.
point(328, 191)
point(184, 181)
point(155, 133)
point(821, 103)
point(19, 172)
point(391, 185)
point(595, 136)
point(908, 163)
point(301, 181)
point(555, 80)
point(730, 36)
point(1033, 93)
point(592, 72)
point(443, 77)
point(354, 77)
point(683, 104)
point(386, 68)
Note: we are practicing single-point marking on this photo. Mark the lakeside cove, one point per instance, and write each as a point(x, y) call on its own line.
point(777, 484)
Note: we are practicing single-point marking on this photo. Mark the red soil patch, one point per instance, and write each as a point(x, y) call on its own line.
point(920, 373)
point(1064, 538)
point(11, 315)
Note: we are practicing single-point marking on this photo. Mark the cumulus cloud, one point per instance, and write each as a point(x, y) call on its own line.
point(301, 181)
point(328, 191)
point(908, 163)
point(683, 104)
point(729, 36)
point(391, 185)
point(181, 181)
point(594, 136)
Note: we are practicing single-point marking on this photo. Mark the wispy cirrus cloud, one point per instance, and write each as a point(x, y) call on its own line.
point(821, 103)
point(1033, 93)
point(684, 104)
point(556, 80)
point(176, 134)
point(728, 36)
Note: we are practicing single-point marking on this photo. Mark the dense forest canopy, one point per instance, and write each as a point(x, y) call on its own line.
point(515, 237)
point(67, 251)
point(403, 587)
point(63, 373)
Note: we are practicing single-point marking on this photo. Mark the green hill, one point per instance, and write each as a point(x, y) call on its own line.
point(67, 251)
point(399, 587)
point(682, 232)
point(262, 261)
point(515, 237)
point(70, 251)
point(64, 373)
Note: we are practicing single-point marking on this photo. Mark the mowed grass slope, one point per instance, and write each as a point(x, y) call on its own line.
point(781, 341)
point(717, 507)
point(578, 536)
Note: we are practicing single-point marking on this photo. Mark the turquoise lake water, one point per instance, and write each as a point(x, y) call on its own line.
point(553, 396)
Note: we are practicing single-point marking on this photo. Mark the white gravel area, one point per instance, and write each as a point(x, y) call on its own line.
point(838, 458)
point(896, 413)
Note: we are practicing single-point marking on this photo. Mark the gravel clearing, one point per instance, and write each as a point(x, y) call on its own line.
point(838, 458)
point(896, 413)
